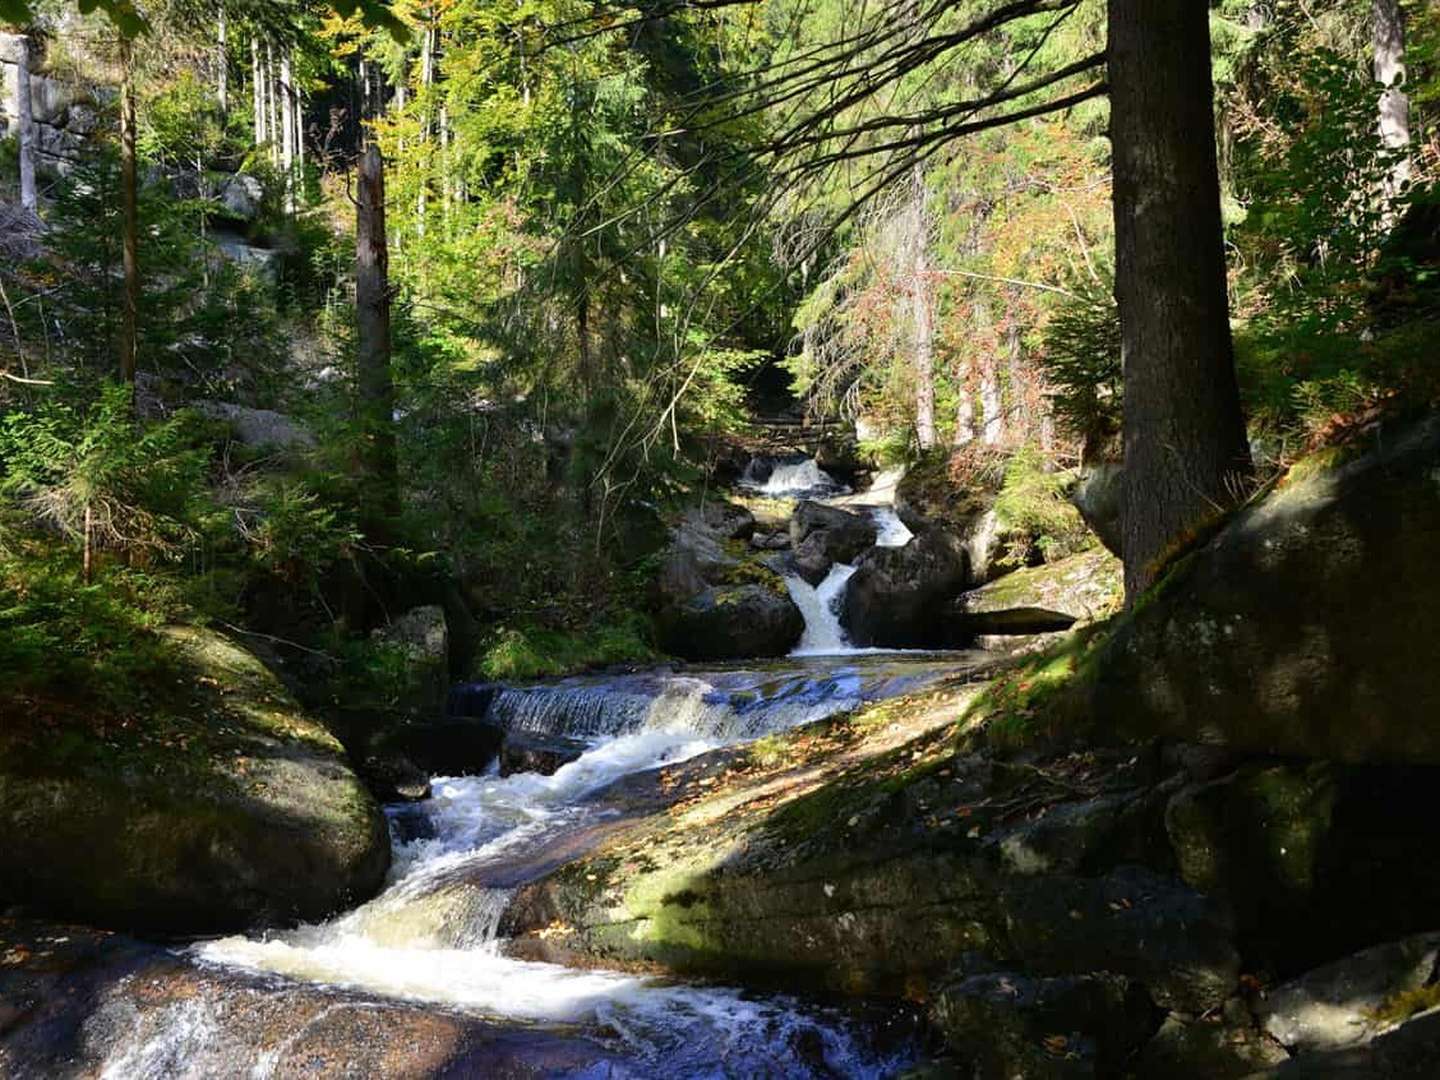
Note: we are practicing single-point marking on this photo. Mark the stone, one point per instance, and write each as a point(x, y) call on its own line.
point(249, 816)
point(1007, 1024)
point(732, 623)
point(260, 261)
point(241, 197)
point(523, 752)
point(1017, 622)
point(1209, 1049)
point(259, 427)
point(1097, 496)
point(897, 597)
point(822, 536)
point(1409, 1051)
point(1307, 626)
point(1316, 860)
point(1342, 1004)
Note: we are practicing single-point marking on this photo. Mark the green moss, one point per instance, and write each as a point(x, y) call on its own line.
point(1040, 697)
point(1327, 459)
point(1401, 1006)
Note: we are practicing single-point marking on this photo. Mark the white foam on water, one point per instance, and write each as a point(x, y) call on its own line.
point(820, 605)
point(892, 531)
point(793, 479)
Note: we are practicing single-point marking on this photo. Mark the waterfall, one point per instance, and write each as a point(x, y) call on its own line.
point(824, 636)
point(789, 478)
point(893, 531)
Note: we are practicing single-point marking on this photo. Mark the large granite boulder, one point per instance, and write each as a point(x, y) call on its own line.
point(238, 812)
point(1307, 626)
point(897, 598)
point(1021, 610)
point(714, 597)
point(822, 536)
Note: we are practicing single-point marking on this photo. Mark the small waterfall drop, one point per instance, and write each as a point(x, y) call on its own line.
point(790, 478)
point(824, 636)
point(893, 531)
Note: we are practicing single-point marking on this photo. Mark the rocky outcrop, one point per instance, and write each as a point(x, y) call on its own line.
point(523, 752)
point(822, 536)
point(714, 599)
point(1077, 590)
point(1348, 1003)
point(259, 427)
point(897, 598)
point(1097, 496)
point(1306, 627)
point(238, 812)
point(65, 113)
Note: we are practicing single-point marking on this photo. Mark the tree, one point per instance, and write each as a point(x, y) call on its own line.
point(376, 390)
point(25, 122)
point(1186, 455)
point(1389, 40)
point(130, 199)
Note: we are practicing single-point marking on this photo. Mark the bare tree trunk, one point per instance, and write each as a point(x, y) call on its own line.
point(87, 555)
point(272, 119)
point(287, 131)
point(1186, 456)
point(992, 418)
point(130, 200)
point(427, 80)
point(222, 72)
point(372, 309)
point(1389, 38)
point(25, 121)
point(921, 315)
point(257, 91)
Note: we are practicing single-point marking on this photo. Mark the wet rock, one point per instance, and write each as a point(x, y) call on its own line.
point(392, 776)
point(777, 541)
point(454, 746)
point(1306, 627)
point(249, 815)
point(824, 535)
point(544, 754)
point(897, 597)
point(104, 1005)
point(1211, 1049)
point(421, 636)
point(1346, 1003)
point(732, 623)
point(1008, 1024)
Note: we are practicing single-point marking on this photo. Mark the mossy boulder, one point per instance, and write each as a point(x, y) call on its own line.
point(1307, 627)
point(714, 598)
point(226, 809)
point(1082, 589)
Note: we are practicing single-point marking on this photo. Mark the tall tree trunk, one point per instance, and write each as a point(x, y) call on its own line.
point(921, 315)
point(222, 64)
point(372, 311)
point(272, 118)
point(25, 121)
point(1389, 38)
point(1186, 456)
point(130, 201)
point(287, 131)
point(992, 418)
point(965, 406)
point(257, 82)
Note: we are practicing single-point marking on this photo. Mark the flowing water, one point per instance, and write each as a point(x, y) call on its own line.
point(432, 935)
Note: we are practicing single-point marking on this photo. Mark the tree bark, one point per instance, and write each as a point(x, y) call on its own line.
point(130, 201)
point(1389, 41)
point(1186, 456)
point(376, 403)
point(25, 121)
point(222, 64)
point(257, 91)
point(272, 119)
point(287, 131)
point(921, 315)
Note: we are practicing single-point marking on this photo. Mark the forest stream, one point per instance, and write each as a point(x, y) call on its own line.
point(433, 935)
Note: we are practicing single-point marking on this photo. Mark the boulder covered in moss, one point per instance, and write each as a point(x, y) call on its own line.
point(1307, 627)
point(714, 598)
point(1075, 591)
point(224, 808)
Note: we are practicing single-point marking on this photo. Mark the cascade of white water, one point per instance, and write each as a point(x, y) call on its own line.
point(820, 605)
point(790, 479)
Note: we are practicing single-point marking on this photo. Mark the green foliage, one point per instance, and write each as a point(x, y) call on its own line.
point(1081, 360)
point(1034, 511)
point(100, 478)
point(530, 652)
point(293, 536)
